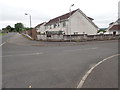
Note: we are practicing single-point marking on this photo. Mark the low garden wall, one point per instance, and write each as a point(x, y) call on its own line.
point(81, 37)
point(78, 37)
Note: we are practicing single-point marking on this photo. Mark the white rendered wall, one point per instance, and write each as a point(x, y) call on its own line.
point(80, 24)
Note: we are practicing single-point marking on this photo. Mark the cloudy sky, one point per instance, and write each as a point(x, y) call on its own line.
point(13, 11)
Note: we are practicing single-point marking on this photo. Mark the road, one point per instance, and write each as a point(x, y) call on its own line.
point(51, 66)
point(3, 40)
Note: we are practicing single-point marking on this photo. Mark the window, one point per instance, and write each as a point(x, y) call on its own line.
point(64, 24)
point(55, 25)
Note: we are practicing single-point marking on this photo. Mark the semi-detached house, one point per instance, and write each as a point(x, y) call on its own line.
point(72, 23)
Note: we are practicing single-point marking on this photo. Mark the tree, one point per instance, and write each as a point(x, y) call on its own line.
point(4, 30)
point(8, 29)
point(102, 30)
point(12, 29)
point(19, 27)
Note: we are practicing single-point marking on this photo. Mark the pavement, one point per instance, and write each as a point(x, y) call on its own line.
point(104, 75)
point(58, 64)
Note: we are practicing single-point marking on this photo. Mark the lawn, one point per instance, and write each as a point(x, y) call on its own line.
point(1, 34)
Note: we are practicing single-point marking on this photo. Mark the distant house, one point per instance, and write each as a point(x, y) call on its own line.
point(75, 22)
point(114, 28)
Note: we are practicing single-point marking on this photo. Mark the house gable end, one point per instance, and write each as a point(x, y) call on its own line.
point(81, 24)
point(89, 19)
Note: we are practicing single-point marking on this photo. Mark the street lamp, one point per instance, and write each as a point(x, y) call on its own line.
point(70, 19)
point(30, 18)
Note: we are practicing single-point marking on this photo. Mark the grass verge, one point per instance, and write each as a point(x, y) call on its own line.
point(1, 34)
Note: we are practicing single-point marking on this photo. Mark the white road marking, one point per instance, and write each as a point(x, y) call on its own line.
point(88, 73)
point(2, 44)
point(22, 54)
point(81, 49)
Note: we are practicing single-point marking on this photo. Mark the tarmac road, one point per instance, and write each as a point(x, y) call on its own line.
point(53, 66)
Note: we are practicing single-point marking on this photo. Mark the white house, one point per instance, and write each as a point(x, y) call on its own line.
point(114, 28)
point(40, 28)
point(75, 22)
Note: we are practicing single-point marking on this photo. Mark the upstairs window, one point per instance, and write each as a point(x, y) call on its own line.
point(64, 24)
point(55, 25)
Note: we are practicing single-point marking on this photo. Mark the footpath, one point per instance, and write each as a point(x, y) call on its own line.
point(104, 75)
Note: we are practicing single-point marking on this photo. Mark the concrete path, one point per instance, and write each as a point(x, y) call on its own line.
point(104, 75)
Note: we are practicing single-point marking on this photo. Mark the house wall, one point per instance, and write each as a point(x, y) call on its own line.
point(57, 28)
point(81, 25)
point(41, 29)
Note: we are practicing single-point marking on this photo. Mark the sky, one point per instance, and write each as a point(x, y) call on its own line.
point(13, 11)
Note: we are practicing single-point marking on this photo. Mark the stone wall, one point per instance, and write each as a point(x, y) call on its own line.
point(31, 33)
point(82, 37)
point(78, 37)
